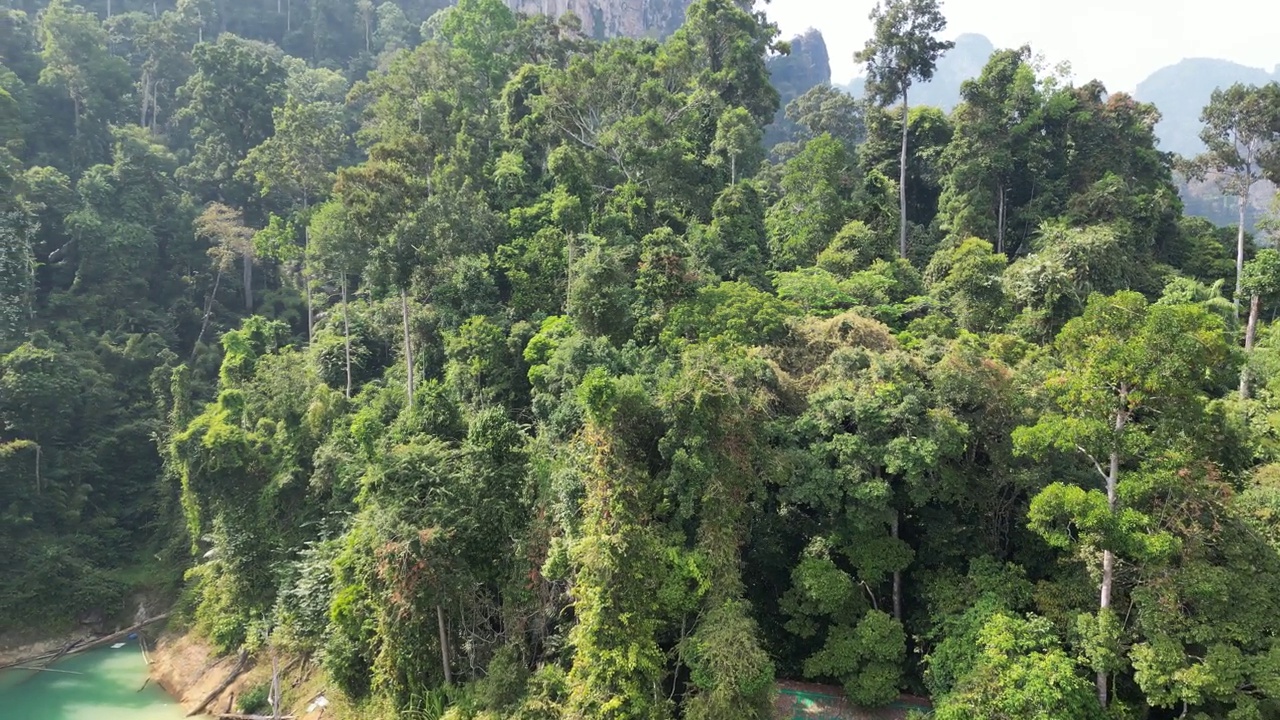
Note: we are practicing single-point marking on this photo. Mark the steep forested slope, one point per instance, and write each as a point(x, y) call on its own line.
point(486, 362)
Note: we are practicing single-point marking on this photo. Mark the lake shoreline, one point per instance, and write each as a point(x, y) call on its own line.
point(101, 683)
point(12, 651)
point(182, 664)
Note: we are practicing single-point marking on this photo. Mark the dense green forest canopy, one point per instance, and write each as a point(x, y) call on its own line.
point(488, 363)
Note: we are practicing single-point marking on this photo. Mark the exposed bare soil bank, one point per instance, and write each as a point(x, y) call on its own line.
point(187, 669)
point(15, 647)
point(185, 666)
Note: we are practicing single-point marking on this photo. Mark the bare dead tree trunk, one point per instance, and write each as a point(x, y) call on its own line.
point(1250, 331)
point(239, 668)
point(346, 332)
point(444, 645)
point(408, 345)
point(902, 181)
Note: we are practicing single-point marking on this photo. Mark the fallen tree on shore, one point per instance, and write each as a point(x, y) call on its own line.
point(79, 646)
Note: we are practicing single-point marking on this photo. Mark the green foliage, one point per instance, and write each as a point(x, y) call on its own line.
point(966, 279)
point(734, 672)
point(855, 248)
point(255, 699)
point(731, 312)
point(1022, 672)
point(813, 205)
point(866, 658)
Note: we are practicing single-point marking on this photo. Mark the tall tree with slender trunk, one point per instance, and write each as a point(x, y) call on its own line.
point(297, 163)
point(1132, 379)
point(1261, 280)
point(1242, 134)
point(990, 157)
point(903, 50)
point(337, 248)
point(224, 225)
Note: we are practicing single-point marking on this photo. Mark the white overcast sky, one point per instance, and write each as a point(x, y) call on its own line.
point(1120, 42)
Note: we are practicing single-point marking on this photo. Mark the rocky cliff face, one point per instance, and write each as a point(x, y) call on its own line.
point(793, 74)
point(613, 18)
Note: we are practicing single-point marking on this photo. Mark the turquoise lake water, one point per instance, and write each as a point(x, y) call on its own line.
point(105, 688)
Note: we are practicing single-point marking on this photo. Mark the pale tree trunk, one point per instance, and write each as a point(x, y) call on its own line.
point(733, 169)
point(306, 280)
point(346, 332)
point(155, 104)
point(1250, 330)
point(275, 686)
point(897, 574)
point(1108, 557)
point(247, 258)
point(444, 645)
point(146, 96)
point(902, 181)
point(408, 345)
point(568, 271)
point(208, 312)
point(1244, 204)
point(1000, 222)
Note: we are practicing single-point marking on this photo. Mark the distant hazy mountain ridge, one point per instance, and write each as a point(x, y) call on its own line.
point(1182, 90)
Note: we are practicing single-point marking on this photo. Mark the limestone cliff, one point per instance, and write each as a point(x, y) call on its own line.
point(613, 18)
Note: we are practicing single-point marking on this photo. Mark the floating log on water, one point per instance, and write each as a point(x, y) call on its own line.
point(113, 637)
point(66, 649)
point(47, 657)
point(241, 662)
point(45, 669)
point(82, 645)
point(142, 645)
